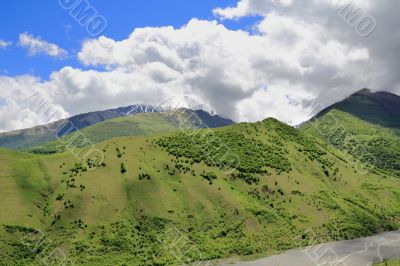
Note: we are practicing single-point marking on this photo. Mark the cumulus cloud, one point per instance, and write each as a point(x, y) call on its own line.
point(303, 56)
point(251, 8)
point(36, 45)
point(4, 44)
point(324, 25)
point(25, 101)
point(230, 69)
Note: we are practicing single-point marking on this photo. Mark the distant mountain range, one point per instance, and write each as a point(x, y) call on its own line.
point(27, 138)
point(140, 124)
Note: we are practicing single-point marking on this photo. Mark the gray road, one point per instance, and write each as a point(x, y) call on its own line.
point(359, 252)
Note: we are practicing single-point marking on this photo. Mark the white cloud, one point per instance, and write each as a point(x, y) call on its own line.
point(36, 45)
point(304, 55)
point(250, 8)
point(4, 44)
point(340, 60)
point(25, 102)
point(228, 68)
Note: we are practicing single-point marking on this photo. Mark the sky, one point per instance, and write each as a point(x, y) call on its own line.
point(243, 59)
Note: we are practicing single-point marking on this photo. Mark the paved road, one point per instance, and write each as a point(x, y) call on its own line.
point(359, 252)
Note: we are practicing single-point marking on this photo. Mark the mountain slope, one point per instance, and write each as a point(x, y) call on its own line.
point(138, 125)
point(26, 138)
point(233, 191)
point(379, 108)
point(366, 126)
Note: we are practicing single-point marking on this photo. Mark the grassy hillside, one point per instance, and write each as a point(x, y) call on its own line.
point(379, 108)
point(137, 125)
point(186, 196)
point(372, 144)
point(32, 137)
point(26, 138)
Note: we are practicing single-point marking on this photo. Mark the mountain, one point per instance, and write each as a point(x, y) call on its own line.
point(137, 125)
point(379, 108)
point(27, 138)
point(365, 126)
point(175, 197)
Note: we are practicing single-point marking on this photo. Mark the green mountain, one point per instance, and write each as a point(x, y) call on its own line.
point(137, 125)
point(365, 126)
point(186, 196)
point(379, 108)
point(27, 138)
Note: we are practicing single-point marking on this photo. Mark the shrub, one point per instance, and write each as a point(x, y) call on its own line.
point(247, 177)
point(123, 169)
point(210, 176)
point(144, 176)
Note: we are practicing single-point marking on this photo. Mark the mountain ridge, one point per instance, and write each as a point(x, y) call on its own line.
point(366, 125)
point(26, 138)
point(137, 125)
point(379, 107)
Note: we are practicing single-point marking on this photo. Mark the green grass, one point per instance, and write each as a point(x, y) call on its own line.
point(22, 139)
point(372, 144)
point(389, 263)
point(284, 183)
point(137, 125)
point(365, 127)
point(380, 108)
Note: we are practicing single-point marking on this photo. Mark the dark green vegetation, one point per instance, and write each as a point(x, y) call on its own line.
point(234, 191)
point(27, 138)
point(380, 108)
point(137, 125)
point(365, 126)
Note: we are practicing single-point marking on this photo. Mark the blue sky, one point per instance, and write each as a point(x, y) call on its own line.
point(243, 59)
point(55, 25)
